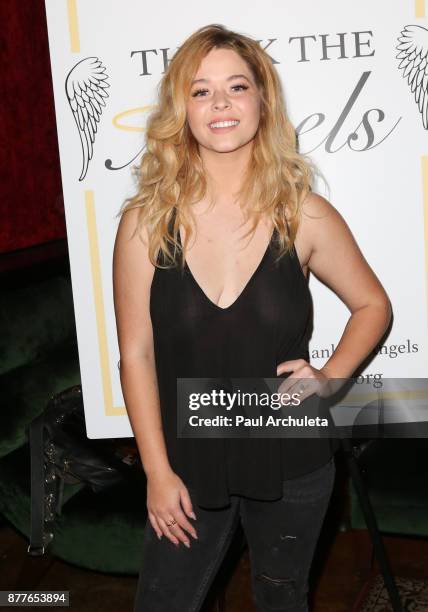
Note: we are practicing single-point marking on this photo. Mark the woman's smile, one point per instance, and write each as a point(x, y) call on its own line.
point(221, 127)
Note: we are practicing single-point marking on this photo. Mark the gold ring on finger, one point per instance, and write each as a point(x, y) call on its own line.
point(172, 523)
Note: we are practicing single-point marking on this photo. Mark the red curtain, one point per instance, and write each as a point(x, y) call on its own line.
point(31, 202)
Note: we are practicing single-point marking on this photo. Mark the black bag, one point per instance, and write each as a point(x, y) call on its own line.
point(62, 453)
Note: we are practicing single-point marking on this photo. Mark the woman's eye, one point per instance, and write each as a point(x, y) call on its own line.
point(200, 92)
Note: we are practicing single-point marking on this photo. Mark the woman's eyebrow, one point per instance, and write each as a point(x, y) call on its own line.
point(233, 76)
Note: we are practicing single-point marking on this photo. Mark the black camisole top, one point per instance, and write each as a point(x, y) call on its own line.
point(194, 338)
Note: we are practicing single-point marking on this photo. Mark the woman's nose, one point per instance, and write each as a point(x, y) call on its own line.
point(220, 101)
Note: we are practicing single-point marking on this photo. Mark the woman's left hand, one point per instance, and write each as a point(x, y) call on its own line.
point(304, 380)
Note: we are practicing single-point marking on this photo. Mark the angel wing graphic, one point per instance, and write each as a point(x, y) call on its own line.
point(413, 49)
point(86, 88)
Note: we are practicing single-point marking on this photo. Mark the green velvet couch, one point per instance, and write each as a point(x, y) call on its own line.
point(38, 358)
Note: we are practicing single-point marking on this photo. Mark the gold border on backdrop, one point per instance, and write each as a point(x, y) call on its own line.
point(97, 289)
point(424, 163)
point(73, 26)
point(357, 398)
point(419, 8)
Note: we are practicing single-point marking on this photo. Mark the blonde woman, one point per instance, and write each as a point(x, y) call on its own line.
point(210, 280)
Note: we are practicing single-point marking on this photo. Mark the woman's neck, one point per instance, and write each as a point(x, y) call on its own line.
point(225, 172)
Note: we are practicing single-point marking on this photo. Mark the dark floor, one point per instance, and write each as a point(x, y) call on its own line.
point(340, 568)
point(339, 572)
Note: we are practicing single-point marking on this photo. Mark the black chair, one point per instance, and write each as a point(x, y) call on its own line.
point(356, 452)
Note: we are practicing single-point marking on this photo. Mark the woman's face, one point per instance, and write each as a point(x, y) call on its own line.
point(223, 90)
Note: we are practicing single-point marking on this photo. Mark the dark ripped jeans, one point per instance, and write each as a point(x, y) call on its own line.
point(281, 537)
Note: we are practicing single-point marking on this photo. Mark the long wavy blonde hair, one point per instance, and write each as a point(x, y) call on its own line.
point(171, 175)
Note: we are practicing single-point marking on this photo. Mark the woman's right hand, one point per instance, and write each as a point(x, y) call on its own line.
point(165, 493)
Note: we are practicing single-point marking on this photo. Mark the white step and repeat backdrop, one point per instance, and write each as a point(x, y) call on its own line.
point(356, 83)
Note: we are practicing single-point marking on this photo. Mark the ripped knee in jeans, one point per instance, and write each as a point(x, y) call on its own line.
point(279, 592)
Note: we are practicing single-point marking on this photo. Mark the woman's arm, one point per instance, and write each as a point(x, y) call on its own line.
point(332, 254)
point(336, 260)
point(132, 277)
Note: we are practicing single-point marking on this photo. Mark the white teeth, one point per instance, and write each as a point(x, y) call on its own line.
point(221, 124)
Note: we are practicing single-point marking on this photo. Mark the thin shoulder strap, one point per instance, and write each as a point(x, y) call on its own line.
point(172, 220)
point(160, 256)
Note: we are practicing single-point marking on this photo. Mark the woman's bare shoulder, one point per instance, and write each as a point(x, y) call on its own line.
point(313, 210)
point(316, 206)
point(127, 227)
point(318, 220)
